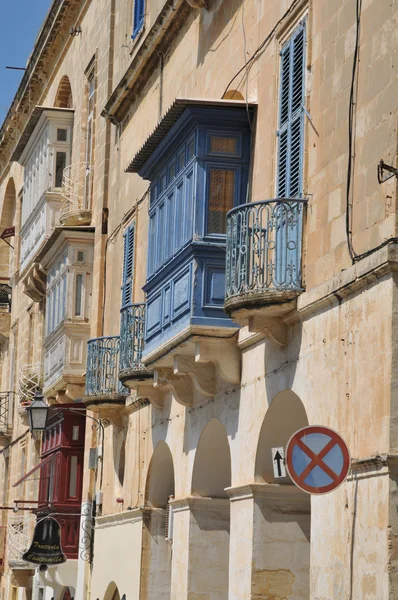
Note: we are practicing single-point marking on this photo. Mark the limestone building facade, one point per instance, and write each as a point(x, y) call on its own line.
point(200, 197)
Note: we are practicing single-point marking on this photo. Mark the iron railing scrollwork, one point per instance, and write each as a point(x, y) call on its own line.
point(132, 336)
point(102, 374)
point(263, 249)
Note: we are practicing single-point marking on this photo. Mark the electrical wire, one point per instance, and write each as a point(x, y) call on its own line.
point(349, 205)
point(263, 44)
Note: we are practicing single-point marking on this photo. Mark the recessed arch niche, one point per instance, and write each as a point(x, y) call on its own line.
point(210, 515)
point(281, 512)
point(7, 220)
point(286, 414)
point(63, 97)
point(212, 466)
point(156, 545)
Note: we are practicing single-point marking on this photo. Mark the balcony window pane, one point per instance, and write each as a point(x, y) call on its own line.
point(79, 295)
point(75, 433)
point(60, 164)
point(62, 135)
point(223, 145)
point(221, 198)
point(73, 477)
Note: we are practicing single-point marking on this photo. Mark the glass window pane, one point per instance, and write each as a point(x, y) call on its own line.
point(79, 295)
point(60, 164)
point(221, 198)
point(180, 161)
point(73, 477)
point(62, 135)
point(190, 148)
point(75, 433)
point(223, 145)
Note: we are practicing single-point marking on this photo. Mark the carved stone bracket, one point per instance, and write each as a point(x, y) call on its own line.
point(223, 354)
point(272, 327)
point(180, 385)
point(203, 376)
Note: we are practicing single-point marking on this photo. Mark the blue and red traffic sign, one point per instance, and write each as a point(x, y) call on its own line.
point(317, 459)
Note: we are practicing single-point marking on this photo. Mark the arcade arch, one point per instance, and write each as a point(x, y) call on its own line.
point(156, 545)
point(210, 514)
point(281, 512)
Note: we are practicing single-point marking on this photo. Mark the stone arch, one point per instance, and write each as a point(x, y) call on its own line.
point(281, 512)
point(286, 414)
point(210, 515)
point(156, 543)
point(7, 220)
point(160, 478)
point(212, 465)
point(112, 592)
point(63, 97)
point(233, 95)
point(121, 463)
point(67, 594)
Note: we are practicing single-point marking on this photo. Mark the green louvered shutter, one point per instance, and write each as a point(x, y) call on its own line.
point(128, 266)
point(291, 116)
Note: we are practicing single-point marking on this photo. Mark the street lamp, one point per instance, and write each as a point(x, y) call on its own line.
point(37, 412)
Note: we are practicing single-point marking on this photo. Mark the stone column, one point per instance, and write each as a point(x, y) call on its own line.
point(200, 548)
point(241, 542)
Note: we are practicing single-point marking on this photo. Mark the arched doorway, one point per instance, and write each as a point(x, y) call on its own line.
point(210, 515)
point(63, 97)
point(156, 542)
point(282, 512)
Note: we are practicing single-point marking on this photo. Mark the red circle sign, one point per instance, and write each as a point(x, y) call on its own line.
point(317, 459)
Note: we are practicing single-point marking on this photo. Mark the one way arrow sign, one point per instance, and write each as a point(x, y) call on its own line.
point(278, 462)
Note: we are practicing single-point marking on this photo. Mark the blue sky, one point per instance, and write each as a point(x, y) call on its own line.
point(21, 21)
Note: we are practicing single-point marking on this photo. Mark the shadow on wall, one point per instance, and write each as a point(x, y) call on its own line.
point(218, 20)
point(112, 592)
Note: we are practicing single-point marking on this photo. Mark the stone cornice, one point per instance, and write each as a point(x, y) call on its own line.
point(130, 516)
point(60, 17)
point(350, 281)
point(161, 35)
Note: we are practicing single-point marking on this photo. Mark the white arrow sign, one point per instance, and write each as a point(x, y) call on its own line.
point(278, 462)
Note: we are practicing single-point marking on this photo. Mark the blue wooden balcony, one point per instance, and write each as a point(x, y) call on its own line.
point(132, 335)
point(263, 256)
point(102, 373)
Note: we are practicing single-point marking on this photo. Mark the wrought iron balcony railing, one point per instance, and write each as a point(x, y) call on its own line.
point(5, 296)
point(132, 334)
point(5, 412)
point(263, 253)
point(76, 190)
point(102, 374)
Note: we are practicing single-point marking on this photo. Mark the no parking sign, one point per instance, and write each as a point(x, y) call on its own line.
point(317, 459)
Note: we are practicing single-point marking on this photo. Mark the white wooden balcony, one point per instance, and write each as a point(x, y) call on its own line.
point(39, 226)
point(65, 356)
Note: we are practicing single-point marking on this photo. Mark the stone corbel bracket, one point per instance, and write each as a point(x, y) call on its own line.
point(181, 386)
point(223, 354)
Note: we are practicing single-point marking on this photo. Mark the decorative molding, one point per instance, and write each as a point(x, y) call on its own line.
point(116, 519)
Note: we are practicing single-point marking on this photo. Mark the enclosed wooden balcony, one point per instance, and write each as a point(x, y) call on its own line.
point(102, 374)
point(263, 264)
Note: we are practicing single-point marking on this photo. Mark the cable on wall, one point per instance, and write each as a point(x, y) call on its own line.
point(349, 204)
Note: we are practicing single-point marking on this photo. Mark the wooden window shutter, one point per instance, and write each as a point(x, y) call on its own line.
point(291, 116)
point(128, 265)
point(139, 12)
